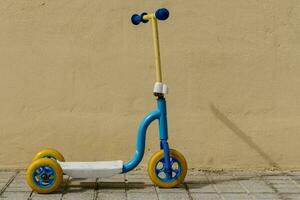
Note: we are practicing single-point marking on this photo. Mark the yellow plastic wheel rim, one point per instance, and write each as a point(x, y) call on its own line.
point(152, 167)
point(49, 153)
point(36, 165)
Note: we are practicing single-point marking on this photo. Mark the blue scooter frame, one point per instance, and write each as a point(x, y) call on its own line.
point(166, 168)
point(161, 115)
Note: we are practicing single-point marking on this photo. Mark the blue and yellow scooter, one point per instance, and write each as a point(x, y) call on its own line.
point(167, 168)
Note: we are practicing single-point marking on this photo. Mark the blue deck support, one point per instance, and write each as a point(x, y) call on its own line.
point(161, 115)
point(140, 143)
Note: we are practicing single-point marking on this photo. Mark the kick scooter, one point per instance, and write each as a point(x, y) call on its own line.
point(167, 168)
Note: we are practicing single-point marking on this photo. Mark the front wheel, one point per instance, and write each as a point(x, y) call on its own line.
point(158, 173)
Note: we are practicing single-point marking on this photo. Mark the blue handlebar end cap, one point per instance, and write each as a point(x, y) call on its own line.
point(143, 20)
point(162, 14)
point(136, 19)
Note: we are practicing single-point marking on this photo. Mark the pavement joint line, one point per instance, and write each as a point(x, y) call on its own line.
point(95, 195)
point(9, 182)
point(295, 182)
point(126, 185)
point(272, 187)
point(30, 195)
point(156, 192)
point(212, 182)
point(188, 191)
point(245, 188)
point(66, 188)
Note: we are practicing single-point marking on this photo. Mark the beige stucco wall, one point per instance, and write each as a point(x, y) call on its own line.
point(77, 76)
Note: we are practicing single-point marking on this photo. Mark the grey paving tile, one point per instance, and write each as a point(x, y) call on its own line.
point(266, 196)
point(144, 196)
point(276, 177)
point(80, 189)
point(173, 196)
point(234, 196)
point(108, 187)
point(204, 196)
point(111, 196)
point(140, 188)
point(138, 179)
point(256, 186)
point(196, 179)
point(5, 180)
point(15, 195)
point(79, 194)
point(19, 184)
point(52, 196)
point(290, 196)
point(286, 188)
point(180, 189)
point(6, 175)
point(229, 187)
point(201, 188)
point(221, 178)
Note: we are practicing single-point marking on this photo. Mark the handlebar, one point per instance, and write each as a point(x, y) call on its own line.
point(160, 14)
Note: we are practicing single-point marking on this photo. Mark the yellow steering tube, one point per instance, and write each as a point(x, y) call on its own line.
point(160, 14)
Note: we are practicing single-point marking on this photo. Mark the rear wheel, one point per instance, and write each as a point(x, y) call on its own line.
point(44, 175)
point(49, 153)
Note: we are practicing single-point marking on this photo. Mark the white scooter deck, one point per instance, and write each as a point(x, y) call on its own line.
point(92, 169)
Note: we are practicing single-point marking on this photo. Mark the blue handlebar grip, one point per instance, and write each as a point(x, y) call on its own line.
point(136, 19)
point(162, 14)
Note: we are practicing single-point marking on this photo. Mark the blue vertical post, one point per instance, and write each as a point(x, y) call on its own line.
point(163, 134)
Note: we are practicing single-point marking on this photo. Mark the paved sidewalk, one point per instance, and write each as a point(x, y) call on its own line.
point(137, 186)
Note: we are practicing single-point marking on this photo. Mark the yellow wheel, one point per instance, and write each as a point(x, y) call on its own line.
point(44, 175)
point(158, 173)
point(49, 153)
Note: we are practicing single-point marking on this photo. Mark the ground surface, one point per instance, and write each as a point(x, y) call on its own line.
point(136, 185)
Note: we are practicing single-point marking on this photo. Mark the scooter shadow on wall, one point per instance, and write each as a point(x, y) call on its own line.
point(243, 136)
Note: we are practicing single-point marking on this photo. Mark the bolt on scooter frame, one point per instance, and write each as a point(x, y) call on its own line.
point(159, 114)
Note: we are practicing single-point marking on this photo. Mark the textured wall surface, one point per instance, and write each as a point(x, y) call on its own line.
point(77, 76)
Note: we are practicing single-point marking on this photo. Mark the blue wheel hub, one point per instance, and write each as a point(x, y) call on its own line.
point(44, 176)
point(168, 175)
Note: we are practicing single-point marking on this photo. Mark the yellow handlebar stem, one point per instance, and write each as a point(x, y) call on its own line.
point(153, 20)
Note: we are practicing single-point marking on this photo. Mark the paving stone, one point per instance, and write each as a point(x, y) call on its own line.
point(290, 196)
point(111, 187)
point(229, 187)
point(203, 188)
point(173, 196)
point(197, 179)
point(140, 188)
point(144, 196)
point(236, 196)
point(6, 175)
point(286, 188)
point(256, 186)
point(112, 196)
point(138, 179)
point(52, 196)
point(79, 194)
point(276, 177)
point(19, 184)
point(265, 196)
point(180, 189)
point(221, 178)
point(80, 189)
point(15, 195)
point(204, 196)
